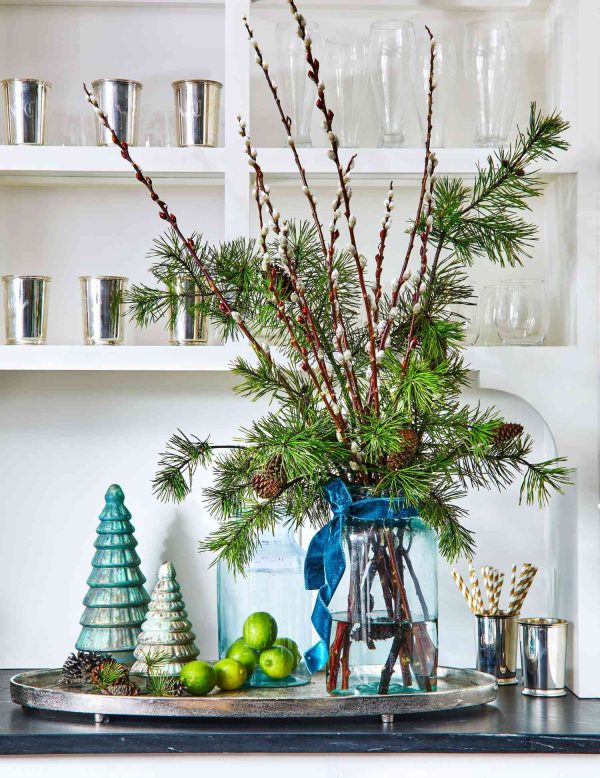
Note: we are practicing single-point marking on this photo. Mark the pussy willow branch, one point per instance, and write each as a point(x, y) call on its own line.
point(170, 217)
point(305, 318)
point(346, 193)
point(340, 330)
point(428, 171)
point(385, 226)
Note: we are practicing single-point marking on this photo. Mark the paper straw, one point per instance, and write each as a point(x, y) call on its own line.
point(476, 597)
point(499, 580)
point(523, 588)
point(462, 588)
point(513, 584)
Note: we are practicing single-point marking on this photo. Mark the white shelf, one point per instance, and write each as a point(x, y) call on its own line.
point(382, 163)
point(532, 360)
point(122, 358)
point(30, 162)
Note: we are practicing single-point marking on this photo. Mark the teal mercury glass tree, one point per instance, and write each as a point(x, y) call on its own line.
point(116, 602)
point(166, 640)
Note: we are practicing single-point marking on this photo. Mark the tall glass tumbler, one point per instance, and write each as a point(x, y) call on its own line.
point(391, 67)
point(102, 308)
point(25, 102)
point(25, 309)
point(492, 66)
point(346, 76)
point(297, 91)
point(522, 316)
point(119, 99)
point(444, 73)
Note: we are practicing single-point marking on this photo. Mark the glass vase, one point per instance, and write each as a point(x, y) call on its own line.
point(384, 631)
point(522, 316)
point(273, 583)
point(391, 66)
point(492, 65)
point(346, 73)
point(297, 92)
point(444, 73)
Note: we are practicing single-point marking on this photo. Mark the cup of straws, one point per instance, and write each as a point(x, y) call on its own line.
point(497, 629)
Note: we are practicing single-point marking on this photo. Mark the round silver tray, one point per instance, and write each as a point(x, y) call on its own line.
point(42, 689)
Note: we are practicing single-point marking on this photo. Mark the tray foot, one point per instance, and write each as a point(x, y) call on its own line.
point(100, 718)
point(387, 718)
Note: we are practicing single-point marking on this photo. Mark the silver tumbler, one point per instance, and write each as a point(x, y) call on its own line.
point(543, 656)
point(102, 307)
point(197, 106)
point(26, 309)
point(119, 99)
point(497, 647)
point(189, 327)
point(25, 101)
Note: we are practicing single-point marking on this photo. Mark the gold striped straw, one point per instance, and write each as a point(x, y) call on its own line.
point(462, 588)
point(476, 597)
point(498, 581)
point(523, 587)
point(486, 572)
point(513, 584)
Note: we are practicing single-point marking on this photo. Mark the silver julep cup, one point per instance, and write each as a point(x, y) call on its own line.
point(543, 656)
point(102, 308)
point(197, 107)
point(189, 327)
point(26, 309)
point(119, 99)
point(25, 101)
point(497, 647)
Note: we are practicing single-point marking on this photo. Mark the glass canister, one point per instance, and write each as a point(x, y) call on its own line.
point(273, 583)
point(384, 637)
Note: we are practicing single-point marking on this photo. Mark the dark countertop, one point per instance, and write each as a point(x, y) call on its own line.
point(513, 723)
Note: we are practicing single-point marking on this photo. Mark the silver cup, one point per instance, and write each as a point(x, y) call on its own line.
point(119, 99)
point(102, 308)
point(26, 309)
point(25, 101)
point(497, 647)
point(189, 327)
point(543, 656)
point(197, 107)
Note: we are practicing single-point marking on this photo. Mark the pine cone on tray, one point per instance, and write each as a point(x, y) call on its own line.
point(403, 458)
point(271, 481)
point(178, 689)
point(78, 666)
point(506, 432)
point(122, 688)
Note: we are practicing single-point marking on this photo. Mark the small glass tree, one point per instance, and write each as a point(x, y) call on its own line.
point(116, 601)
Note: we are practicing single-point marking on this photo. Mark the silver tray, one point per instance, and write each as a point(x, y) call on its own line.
point(43, 690)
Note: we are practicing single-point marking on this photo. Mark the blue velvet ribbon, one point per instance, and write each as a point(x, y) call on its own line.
point(325, 561)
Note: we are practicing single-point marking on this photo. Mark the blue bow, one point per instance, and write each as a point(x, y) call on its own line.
point(325, 560)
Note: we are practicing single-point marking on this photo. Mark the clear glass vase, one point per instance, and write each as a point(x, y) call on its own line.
point(384, 633)
point(391, 66)
point(297, 92)
point(522, 316)
point(493, 67)
point(346, 73)
point(273, 583)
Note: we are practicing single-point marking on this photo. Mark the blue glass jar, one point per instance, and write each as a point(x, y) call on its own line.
point(384, 633)
point(273, 582)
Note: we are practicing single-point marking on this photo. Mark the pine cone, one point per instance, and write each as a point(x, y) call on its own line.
point(271, 481)
point(283, 281)
point(178, 689)
point(506, 432)
point(78, 666)
point(403, 458)
point(122, 688)
point(95, 675)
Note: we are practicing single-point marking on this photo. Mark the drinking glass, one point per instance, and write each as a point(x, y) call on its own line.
point(159, 129)
point(487, 307)
point(297, 91)
point(522, 316)
point(346, 75)
point(468, 315)
point(492, 66)
point(391, 67)
point(444, 73)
